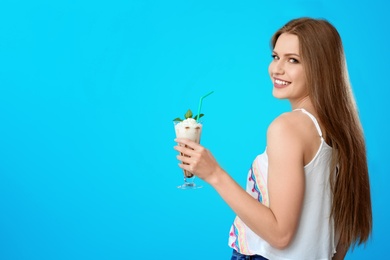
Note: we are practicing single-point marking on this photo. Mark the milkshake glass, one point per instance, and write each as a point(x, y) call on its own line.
point(190, 129)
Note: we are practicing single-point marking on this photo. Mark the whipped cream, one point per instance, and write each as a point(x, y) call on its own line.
point(189, 128)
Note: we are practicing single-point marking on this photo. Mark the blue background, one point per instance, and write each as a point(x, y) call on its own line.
point(88, 91)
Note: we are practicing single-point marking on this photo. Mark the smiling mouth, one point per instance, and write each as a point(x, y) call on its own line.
point(281, 82)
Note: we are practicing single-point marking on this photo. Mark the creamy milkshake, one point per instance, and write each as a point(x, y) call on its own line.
point(190, 129)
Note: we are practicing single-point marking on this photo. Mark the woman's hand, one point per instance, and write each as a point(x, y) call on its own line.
point(196, 159)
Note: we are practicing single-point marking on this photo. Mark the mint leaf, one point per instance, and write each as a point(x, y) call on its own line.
point(188, 114)
point(196, 117)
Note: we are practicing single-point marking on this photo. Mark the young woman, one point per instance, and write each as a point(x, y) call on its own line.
point(308, 194)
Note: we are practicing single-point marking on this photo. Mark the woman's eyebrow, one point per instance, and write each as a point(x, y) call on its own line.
point(287, 54)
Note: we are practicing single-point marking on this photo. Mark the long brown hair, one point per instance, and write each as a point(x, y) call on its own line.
point(330, 90)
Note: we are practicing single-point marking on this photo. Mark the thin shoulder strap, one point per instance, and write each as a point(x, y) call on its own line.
point(313, 119)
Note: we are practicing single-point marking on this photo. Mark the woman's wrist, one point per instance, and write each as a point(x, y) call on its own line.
point(216, 177)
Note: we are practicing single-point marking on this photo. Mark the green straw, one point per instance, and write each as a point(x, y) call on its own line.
point(200, 104)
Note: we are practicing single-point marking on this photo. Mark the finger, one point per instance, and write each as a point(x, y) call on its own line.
point(185, 159)
point(185, 167)
point(185, 150)
point(187, 142)
point(188, 167)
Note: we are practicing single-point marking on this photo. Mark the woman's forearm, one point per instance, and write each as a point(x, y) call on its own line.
point(258, 217)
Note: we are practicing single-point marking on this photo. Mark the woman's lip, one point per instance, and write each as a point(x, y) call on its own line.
point(276, 85)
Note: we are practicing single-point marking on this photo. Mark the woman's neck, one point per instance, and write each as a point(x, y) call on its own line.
point(304, 103)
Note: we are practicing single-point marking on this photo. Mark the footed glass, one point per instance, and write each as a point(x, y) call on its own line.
point(192, 131)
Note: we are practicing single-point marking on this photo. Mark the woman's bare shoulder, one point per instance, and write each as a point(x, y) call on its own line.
point(291, 127)
point(285, 137)
point(291, 121)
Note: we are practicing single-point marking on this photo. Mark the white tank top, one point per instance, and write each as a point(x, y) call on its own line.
point(315, 238)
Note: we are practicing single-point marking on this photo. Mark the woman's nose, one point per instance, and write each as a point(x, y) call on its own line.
point(277, 67)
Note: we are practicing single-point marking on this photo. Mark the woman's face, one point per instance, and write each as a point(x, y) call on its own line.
point(286, 70)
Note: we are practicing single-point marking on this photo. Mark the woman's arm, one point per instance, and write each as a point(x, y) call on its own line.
point(278, 223)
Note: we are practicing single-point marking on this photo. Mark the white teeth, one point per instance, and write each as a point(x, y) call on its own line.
point(280, 82)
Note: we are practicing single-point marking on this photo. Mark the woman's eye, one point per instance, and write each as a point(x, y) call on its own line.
point(274, 57)
point(292, 60)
